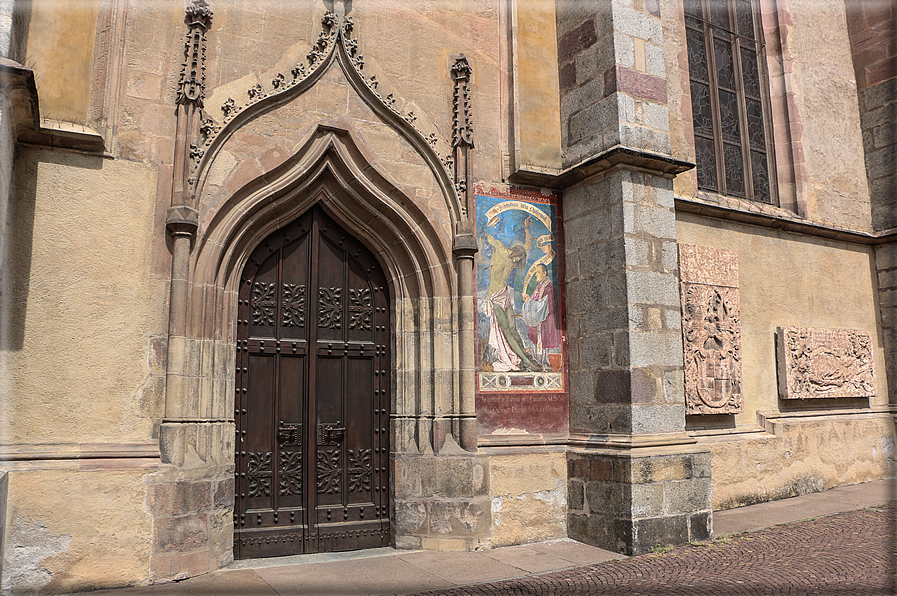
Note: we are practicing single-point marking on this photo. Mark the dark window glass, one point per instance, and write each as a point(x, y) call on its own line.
point(761, 177)
point(725, 74)
point(697, 56)
point(693, 8)
point(745, 18)
point(750, 73)
point(734, 169)
point(719, 14)
point(727, 87)
point(728, 115)
point(706, 157)
point(755, 124)
point(702, 109)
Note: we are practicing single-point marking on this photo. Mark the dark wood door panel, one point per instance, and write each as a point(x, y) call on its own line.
point(312, 442)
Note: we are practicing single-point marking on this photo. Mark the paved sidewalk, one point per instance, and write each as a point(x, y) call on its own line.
point(849, 551)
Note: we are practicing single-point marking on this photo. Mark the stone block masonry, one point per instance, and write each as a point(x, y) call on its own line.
point(631, 503)
point(623, 307)
point(192, 525)
point(631, 481)
point(442, 502)
point(872, 28)
point(612, 81)
point(886, 265)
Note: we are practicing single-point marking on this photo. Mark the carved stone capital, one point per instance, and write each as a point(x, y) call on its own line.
point(182, 221)
point(465, 246)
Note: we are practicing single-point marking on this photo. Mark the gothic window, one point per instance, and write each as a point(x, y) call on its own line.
point(729, 98)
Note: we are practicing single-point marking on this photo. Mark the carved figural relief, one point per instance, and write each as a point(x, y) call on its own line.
point(711, 330)
point(824, 363)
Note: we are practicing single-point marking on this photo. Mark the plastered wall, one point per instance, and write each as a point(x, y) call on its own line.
point(83, 350)
point(60, 47)
point(59, 541)
point(793, 447)
point(790, 280)
point(536, 96)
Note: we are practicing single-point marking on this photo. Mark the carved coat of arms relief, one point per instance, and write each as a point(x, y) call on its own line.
point(711, 330)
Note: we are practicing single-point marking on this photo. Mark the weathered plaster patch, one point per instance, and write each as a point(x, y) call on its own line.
point(28, 546)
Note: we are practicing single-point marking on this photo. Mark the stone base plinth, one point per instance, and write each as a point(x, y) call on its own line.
point(441, 502)
point(634, 500)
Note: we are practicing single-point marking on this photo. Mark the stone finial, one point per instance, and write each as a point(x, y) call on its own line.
point(198, 14)
point(191, 88)
point(462, 129)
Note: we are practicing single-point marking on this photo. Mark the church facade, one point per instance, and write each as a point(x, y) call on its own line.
point(327, 275)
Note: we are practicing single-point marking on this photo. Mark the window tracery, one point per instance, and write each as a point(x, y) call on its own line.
point(730, 106)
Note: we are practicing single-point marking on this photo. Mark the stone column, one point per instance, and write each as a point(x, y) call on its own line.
point(7, 132)
point(886, 266)
point(635, 478)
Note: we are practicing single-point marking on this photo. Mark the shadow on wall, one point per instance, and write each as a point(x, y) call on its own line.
point(21, 22)
point(16, 266)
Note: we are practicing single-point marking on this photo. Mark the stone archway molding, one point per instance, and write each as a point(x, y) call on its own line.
point(334, 43)
point(333, 168)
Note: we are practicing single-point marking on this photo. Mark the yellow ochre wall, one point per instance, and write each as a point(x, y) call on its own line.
point(788, 279)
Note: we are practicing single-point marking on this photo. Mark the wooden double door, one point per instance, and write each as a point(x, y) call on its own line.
point(312, 403)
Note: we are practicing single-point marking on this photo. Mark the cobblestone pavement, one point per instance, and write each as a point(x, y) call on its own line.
point(844, 554)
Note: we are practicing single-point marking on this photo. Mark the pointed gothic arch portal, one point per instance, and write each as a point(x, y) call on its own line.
point(312, 453)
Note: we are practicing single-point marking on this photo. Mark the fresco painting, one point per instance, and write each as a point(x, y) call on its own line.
point(520, 345)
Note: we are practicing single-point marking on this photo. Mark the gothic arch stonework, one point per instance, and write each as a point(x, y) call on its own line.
point(229, 195)
point(330, 170)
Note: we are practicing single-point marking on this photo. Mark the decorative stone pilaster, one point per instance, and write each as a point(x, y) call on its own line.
point(635, 478)
point(191, 497)
point(464, 251)
point(462, 129)
point(886, 266)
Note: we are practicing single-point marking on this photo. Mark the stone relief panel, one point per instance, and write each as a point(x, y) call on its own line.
point(711, 330)
point(824, 363)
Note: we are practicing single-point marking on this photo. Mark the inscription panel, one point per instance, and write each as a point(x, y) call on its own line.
point(711, 330)
point(708, 266)
point(824, 363)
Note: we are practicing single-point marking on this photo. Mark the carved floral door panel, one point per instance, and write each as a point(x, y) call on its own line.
point(312, 407)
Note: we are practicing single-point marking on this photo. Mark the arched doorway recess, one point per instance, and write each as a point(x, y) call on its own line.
point(312, 387)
